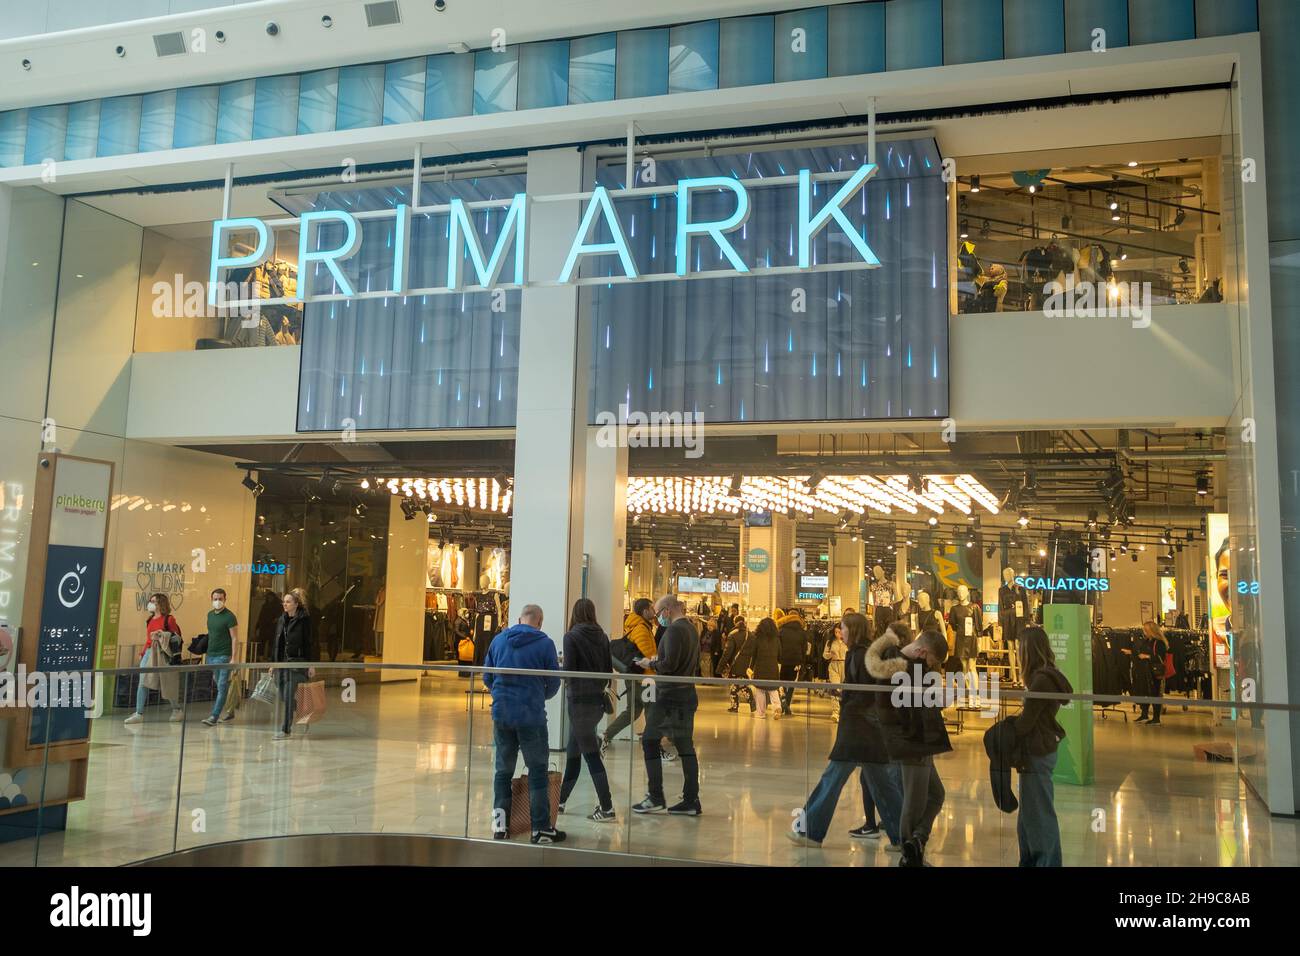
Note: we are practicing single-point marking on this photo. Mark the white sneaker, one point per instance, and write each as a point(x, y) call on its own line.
point(279, 735)
point(177, 716)
point(134, 719)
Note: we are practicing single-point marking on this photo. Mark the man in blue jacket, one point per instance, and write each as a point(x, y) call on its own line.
point(519, 720)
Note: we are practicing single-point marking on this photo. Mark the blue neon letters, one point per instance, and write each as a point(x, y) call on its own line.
point(1064, 584)
point(463, 240)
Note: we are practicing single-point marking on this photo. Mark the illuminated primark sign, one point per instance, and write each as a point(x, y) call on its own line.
point(600, 209)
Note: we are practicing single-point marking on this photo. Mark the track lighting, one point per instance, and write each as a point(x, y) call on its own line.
point(1165, 536)
point(1092, 518)
point(1179, 217)
point(365, 484)
point(734, 491)
point(965, 229)
point(932, 521)
point(1023, 520)
point(1202, 484)
point(815, 479)
point(975, 184)
point(360, 509)
point(1183, 267)
point(1134, 556)
point(1042, 552)
point(256, 487)
point(1120, 254)
point(985, 229)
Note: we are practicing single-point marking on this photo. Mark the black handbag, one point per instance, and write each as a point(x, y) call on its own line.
point(199, 645)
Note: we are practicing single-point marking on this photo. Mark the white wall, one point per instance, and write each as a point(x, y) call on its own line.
point(405, 581)
point(1131, 584)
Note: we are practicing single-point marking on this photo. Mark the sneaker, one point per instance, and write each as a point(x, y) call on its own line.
point(1141, 720)
point(687, 808)
point(549, 835)
point(668, 753)
point(209, 721)
point(229, 717)
point(279, 735)
point(800, 839)
point(865, 832)
point(894, 848)
point(913, 854)
point(1153, 723)
point(649, 805)
point(177, 716)
point(601, 816)
point(134, 719)
point(733, 709)
point(560, 808)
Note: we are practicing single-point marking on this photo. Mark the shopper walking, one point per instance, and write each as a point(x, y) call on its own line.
point(638, 641)
point(859, 745)
point(1038, 736)
point(223, 629)
point(162, 643)
point(833, 653)
point(707, 640)
point(295, 640)
point(672, 712)
point(761, 660)
point(795, 647)
point(914, 733)
point(519, 721)
point(586, 648)
point(1154, 654)
point(733, 649)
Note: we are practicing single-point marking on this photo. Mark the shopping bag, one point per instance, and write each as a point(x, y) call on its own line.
point(234, 693)
point(266, 691)
point(309, 702)
point(521, 816)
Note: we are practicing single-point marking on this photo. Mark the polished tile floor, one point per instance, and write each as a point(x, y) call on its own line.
point(413, 757)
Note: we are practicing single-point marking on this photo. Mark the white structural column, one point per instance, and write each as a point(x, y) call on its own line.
point(605, 530)
point(550, 427)
point(846, 566)
point(404, 588)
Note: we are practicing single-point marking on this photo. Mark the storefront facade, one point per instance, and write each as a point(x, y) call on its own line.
point(113, 350)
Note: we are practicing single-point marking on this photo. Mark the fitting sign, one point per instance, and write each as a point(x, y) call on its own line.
point(329, 237)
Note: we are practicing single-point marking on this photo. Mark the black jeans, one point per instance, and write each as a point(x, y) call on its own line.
point(788, 672)
point(677, 723)
point(287, 681)
point(584, 745)
point(1156, 691)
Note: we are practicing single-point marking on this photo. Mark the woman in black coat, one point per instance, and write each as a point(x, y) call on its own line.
point(762, 659)
point(586, 648)
point(859, 745)
point(294, 641)
point(733, 650)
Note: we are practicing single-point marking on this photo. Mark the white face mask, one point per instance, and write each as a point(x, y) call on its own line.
point(217, 604)
point(153, 606)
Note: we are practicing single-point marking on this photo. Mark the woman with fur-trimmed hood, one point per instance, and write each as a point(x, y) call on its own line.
point(914, 732)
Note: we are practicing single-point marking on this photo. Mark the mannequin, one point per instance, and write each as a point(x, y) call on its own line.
point(927, 618)
point(1013, 607)
point(882, 597)
point(966, 622)
point(907, 610)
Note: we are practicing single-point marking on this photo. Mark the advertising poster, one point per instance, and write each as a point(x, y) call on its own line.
point(1220, 577)
point(1069, 629)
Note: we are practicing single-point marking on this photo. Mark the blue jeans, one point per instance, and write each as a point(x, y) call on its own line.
point(1036, 827)
point(534, 743)
point(222, 677)
point(141, 696)
point(877, 785)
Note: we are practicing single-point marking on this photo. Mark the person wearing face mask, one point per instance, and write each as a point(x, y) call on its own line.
point(160, 630)
point(294, 641)
point(222, 634)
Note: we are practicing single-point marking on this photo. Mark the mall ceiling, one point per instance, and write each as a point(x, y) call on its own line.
point(1135, 483)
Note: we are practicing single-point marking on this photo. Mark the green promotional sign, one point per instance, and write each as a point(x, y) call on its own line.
point(1070, 633)
point(110, 612)
point(757, 560)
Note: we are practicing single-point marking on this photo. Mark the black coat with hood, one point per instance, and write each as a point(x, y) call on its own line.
point(294, 639)
point(1037, 729)
point(859, 736)
point(586, 648)
point(794, 640)
point(912, 730)
point(762, 655)
point(732, 648)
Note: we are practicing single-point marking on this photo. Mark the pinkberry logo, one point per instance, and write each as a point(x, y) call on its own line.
point(79, 503)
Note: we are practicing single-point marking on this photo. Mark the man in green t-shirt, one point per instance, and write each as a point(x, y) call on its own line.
point(222, 634)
